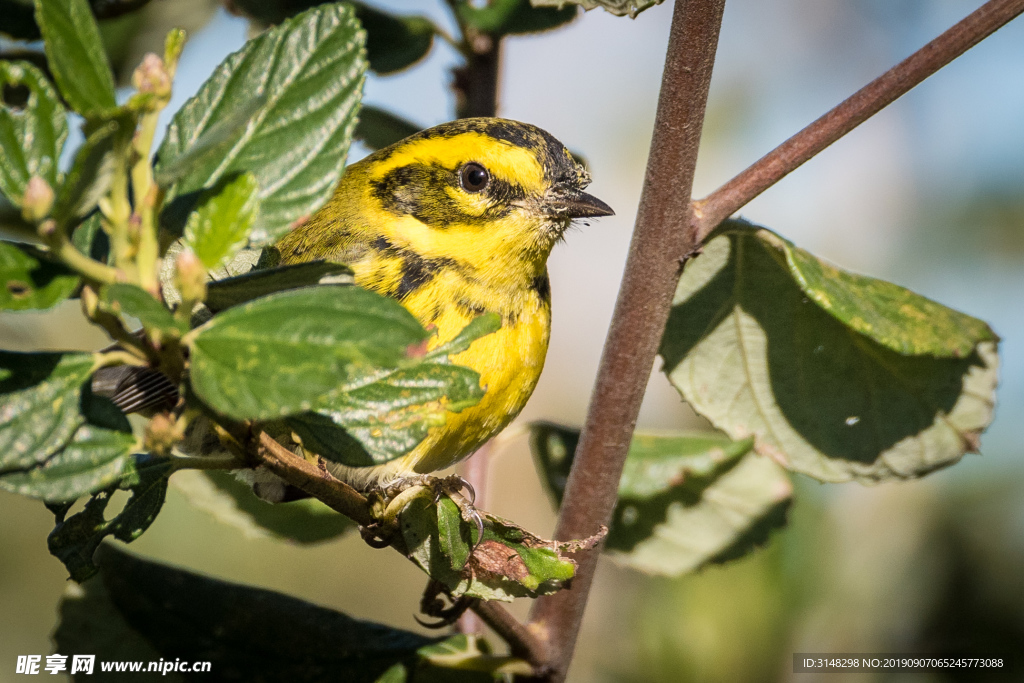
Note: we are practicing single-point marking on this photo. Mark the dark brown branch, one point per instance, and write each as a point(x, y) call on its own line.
point(522, 642)
point(319, 483)
point(641, 311)
point(476, 82)
point(341, 497)
point(865, 103)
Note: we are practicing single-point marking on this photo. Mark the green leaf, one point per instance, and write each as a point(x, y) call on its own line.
point(233, 291)
point(75, 539)
point(232, 502)
point(40, 395)
point(478, 327)
point(823, 391)
point(616, 7)
point(122, 298)
point(311, 70)
point(453, 537)
point(90, 176)
point(30, 280)
point(378, 128)
point(292, 351)
point(94, 459)
point(685, 500)
point(90, 239)
point(505, 17)
point(219, 227)
point(389, 417)
point(509, 563)
point(463, 652)
point(247, 633)
point(76, 56)
point(394, 42)
point(889, 314)
point(31, 136)
point(213, 143)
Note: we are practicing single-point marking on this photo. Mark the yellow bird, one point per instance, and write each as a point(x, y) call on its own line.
point(456, 221)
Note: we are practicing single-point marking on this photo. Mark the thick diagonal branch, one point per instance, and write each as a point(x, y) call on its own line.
point(861, 106)
point(663, 231)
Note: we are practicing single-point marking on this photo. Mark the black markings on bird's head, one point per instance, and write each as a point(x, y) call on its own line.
point(434, 195)
point(435, 191)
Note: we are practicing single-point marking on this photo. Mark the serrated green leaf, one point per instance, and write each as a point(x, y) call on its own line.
point(31, 137)
point(685, 500)
point(620, 8)
point(509, 563)
point(213, 143)
point(394, 42)
point(292, 351)
point(122, 298)
point(90, 176)
point(233, 291)
point(75, 539)
point(311, 70)
point(30, 280)
point(40, 396)
point(232, 502)
point(389, 417)
point(891, 315)
point(76, 56)
point(752, 351)
point(378, 129)
point(509, 17)
point(219, 227)
point(251, 633)
point(94, 459)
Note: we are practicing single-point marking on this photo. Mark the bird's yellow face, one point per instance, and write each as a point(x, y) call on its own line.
point(489, 196)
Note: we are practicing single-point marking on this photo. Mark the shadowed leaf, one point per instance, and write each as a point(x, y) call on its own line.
point(825, 391)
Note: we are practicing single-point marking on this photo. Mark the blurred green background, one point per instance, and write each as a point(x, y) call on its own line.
point(929, 194)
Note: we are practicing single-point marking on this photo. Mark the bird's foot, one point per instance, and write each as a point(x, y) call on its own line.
point(451, 486)
point(434, 606)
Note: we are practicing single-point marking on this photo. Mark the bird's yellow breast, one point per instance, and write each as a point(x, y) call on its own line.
point(508, 361)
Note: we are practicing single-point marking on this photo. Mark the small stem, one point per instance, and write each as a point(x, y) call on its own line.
point(862, 105)
point(62, 248)
point(521, 640)
point(299, 472)
point(202, 462)
point(119, 357)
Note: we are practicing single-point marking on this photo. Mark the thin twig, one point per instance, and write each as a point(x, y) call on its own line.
point(641, 311)
point(865, 103)
point(305, 475)
point(522, 642)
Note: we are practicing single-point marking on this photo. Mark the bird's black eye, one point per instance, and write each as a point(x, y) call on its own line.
point(474, 177)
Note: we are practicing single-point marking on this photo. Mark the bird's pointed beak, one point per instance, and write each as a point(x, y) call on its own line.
point(574, 203)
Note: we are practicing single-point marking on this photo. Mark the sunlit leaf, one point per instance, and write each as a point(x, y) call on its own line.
point(29, 280)
point(293, 351)
point(76, 56)
point(220, 225)
point(31, 136)
point(40, 396)
point(685, 500)
point(134, 301)
point(310, 70)
point(835, 375)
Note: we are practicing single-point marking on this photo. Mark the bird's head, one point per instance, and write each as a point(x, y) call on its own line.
point(479, 189)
